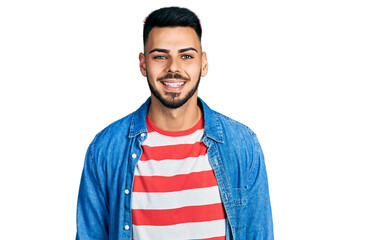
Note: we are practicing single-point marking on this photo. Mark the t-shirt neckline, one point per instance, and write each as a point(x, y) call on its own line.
point(152, 127)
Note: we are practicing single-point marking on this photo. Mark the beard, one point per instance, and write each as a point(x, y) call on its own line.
point(172, 99)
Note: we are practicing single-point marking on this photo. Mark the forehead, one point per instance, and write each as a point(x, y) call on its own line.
point(172, 38)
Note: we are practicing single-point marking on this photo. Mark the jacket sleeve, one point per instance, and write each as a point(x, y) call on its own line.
point(92, 206)
point(259, 222)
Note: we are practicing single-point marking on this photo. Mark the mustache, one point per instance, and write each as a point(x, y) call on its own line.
point(171, 76)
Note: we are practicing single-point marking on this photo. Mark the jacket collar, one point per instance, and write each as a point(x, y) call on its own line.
point(212, 126)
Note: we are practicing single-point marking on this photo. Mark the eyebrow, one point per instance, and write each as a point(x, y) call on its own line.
point(187, 49)
point(167, 51)
point(159, 50)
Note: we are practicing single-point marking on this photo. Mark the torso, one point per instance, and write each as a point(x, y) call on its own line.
point(175, 192)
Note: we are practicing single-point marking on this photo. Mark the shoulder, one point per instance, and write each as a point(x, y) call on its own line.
point(236, 130)
point(112, 135)
point(128, 126)
point(225, 129)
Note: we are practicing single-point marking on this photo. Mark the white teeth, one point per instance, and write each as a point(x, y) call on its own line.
point(174, 84)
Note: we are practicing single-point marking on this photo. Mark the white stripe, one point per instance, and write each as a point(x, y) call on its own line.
point(170, 168)
point(169, 200)
point(182, 231)
point(156, 139)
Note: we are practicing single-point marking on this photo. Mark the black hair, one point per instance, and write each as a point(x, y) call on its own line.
point(171, 17)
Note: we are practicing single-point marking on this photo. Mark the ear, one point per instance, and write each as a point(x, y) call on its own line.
point(204, 64)
point(142, 65)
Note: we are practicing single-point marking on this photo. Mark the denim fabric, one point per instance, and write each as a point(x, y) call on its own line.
point(104, 205)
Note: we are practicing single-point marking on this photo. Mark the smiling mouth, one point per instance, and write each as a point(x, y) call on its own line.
point(173, 84)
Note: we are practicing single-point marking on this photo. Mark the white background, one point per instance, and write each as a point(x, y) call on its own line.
point(301, 74)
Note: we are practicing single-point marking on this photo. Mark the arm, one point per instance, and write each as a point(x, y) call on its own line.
point(92, 208)
point(259, 222)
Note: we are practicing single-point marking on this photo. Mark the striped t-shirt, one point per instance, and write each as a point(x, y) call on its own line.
point(175, 192)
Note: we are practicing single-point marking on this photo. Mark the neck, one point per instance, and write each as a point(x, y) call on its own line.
point(179, 119)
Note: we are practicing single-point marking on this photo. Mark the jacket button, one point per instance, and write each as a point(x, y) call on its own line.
point(134, 155)
point(126, 191)
point(142, 134)
point(126, 227)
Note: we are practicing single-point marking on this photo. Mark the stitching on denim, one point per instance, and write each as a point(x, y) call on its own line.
point(239, 228)
point(241, 201)
point(256, 161)
point(233, 121)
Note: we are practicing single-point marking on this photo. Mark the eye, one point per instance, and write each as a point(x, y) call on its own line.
point(186, 56)
point(159, 57)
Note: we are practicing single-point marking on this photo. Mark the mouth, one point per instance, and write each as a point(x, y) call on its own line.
point(173, 85)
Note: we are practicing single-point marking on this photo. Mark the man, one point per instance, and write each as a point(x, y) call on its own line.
point(174, 169)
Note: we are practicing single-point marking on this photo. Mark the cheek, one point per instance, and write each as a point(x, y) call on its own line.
point(193, 70)
point(154, 70)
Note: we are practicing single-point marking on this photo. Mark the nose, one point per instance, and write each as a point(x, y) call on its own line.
point(173, 65)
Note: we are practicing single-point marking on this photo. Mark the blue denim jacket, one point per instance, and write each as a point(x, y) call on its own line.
point(104, 201)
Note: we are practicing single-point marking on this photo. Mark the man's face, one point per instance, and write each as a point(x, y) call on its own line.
point(173, 64)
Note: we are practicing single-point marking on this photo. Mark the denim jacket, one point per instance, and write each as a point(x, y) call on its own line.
point(104, 201)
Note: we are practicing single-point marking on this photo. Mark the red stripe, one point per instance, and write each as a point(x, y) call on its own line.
point(178, 215)
point(214, 238)
point(180, 151)
point(174, 183)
